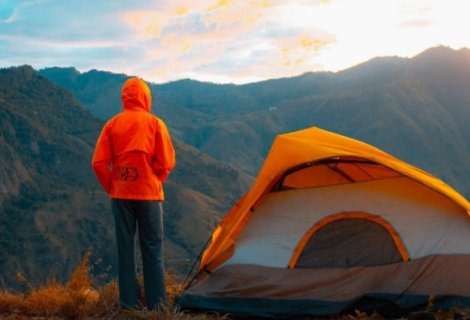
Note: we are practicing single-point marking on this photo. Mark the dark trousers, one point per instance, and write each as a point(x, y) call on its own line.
point(148, 216)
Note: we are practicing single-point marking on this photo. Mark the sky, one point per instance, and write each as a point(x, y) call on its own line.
point(223, 41)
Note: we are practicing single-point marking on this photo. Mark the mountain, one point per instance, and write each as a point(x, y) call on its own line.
point(417, 109)
point(52, 209)
point(45, 138)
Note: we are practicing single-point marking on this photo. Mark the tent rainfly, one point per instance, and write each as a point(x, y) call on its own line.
point(331, 225)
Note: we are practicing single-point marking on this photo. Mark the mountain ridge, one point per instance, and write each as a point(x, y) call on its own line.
point(397, 104)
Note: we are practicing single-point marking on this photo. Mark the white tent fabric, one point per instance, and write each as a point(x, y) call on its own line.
point(415, 211)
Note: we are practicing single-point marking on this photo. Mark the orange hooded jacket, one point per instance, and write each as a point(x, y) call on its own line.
point(134, 154)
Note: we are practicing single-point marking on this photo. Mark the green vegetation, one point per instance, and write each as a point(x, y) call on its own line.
point(52, 209)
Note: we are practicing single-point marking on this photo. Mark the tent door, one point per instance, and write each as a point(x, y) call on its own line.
point(347, 240)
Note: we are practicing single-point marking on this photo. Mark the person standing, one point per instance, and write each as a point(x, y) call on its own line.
point(132, 159)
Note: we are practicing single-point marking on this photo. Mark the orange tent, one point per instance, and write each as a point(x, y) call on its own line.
point(322, 206)
point(307, 147)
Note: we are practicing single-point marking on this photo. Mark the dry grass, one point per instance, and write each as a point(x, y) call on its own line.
point(75, 299)
point(79, 298)
point(10, 302)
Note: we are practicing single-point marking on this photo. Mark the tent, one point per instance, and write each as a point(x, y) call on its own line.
point(333, 225)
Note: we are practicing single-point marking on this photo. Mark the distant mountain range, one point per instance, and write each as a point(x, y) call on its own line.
point(417, 109)
point(52, 209)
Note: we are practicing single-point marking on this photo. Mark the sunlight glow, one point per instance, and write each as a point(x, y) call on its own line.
point(226, 39)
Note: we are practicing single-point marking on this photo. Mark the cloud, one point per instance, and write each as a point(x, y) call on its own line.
point(10, 14)
point(7, 16)
point(225, 40)
point(417, 23)
point(299, 51)
point(146, 24)
point(64, 33)
point(163, 39)
point(417, 14)
point(220, 4)
point(222, 38)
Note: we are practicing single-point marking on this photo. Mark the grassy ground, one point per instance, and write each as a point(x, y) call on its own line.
point(79, 298)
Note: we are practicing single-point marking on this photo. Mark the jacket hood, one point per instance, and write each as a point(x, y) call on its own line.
point(136, 95)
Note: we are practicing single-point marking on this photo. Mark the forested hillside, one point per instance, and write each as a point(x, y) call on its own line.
point(52, 209)
point(418, 109)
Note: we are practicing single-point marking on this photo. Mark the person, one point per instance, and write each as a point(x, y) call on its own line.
point(132, 158)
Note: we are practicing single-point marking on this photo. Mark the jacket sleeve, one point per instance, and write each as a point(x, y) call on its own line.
point(103, 159)
point(164, 158)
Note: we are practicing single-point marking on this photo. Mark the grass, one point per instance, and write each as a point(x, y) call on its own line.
point(79, 298)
